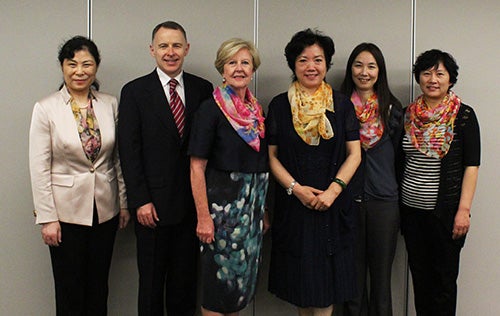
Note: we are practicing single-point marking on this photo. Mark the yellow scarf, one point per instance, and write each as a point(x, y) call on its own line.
point(309, 112)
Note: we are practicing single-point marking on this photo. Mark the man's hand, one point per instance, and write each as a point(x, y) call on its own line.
point(146, 215)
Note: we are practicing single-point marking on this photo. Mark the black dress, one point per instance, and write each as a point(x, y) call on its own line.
point(312, 262)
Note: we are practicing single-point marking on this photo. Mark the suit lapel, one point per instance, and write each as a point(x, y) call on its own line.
point(191, 92)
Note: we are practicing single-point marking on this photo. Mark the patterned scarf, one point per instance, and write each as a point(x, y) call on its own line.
point(431, 130)
point(371, 127)
point(245, 117)
point(309, 112)
point(88, 128)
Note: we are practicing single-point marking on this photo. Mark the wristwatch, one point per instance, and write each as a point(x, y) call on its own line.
point(289, 190)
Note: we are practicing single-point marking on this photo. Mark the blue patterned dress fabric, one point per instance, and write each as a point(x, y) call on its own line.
point(231, 263)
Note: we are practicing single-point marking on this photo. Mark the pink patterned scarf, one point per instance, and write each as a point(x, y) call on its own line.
point(245, 117)
point(371, 127)
point(431, 130)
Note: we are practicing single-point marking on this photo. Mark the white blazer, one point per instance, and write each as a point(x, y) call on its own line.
point(64, 182)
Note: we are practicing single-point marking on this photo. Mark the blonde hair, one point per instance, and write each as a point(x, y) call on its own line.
point(232, 46)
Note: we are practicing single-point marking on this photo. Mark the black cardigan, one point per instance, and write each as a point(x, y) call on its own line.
point(465, 150)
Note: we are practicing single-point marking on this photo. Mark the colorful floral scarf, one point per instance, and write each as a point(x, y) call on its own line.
point(431, 130)
point(309, 112)
point(245, 117)
point(88, 128)
point(371, 127)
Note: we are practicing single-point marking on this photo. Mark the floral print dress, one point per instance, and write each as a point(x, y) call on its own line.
point(230, 264)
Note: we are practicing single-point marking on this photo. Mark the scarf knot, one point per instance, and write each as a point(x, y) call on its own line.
point(309, 112)
point(371, 127)
point(431, 130)
point(246, 117)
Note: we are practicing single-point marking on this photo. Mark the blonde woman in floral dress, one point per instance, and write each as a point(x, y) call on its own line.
point(229, 177)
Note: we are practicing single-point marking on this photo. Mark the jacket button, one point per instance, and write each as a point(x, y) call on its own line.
point(91, 169)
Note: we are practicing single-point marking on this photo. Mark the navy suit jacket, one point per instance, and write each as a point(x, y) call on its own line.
point(154, 161)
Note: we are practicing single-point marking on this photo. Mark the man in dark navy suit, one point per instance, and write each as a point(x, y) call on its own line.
point(153, 137)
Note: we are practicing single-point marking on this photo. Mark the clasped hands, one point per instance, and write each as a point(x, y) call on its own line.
point(315, 199)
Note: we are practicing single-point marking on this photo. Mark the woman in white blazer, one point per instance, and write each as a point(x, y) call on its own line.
point(78, 189)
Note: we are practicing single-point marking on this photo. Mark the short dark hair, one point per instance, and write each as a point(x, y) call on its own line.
point(307, 38)
point(76, 44)
point(381, 87)
point(431, 59)
point(169, 25)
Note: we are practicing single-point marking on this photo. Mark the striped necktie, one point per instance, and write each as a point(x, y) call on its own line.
point(176, 106)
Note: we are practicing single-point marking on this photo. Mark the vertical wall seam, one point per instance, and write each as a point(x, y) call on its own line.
point(413, 46)
point(412, 97)
point(255, 41)
point(89, 19)
point(255, 76)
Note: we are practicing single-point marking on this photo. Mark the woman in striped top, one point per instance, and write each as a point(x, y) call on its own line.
point(441, 156)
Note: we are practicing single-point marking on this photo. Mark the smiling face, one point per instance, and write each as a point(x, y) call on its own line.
point(435, 83)
point(365, 72)
point(169, 48)
point(79, 72)
point(238, 71)
point(310, 68)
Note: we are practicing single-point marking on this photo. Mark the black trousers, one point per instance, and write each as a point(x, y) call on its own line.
point(434, 258)
point(168, 267)
point(80, 265)
point(377, 236)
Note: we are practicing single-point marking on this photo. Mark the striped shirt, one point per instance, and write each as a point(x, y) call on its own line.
point(420, 185)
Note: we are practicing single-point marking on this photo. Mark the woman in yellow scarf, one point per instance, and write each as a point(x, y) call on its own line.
point(314, 150)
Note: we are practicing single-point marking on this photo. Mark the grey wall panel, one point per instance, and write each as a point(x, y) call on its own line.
point(469, 31)
point(30, 33)
point(386, 23)
point(123, 31)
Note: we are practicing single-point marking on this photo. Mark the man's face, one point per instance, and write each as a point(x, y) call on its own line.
point(169, 48)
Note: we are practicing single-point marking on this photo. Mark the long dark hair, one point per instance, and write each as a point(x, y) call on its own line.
point(76, 44)
point(381, 87)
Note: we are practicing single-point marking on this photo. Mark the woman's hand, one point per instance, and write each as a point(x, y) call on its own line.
point(461, 225)
point(124, 218)
point(51, 233)
point(205, 229)
point(325, 200)
point(462, 218)
point(307, 195)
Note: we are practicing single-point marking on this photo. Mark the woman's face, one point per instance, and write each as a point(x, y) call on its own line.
point(238, 70)
point(79, 72)
point(435, 83)
point(310, 68)
point(364, 72)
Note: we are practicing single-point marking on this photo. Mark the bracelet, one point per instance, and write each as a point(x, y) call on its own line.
point(289, 190)
point(340, 182)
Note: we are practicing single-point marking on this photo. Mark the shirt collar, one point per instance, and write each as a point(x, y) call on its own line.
point(164, 78)
point(67, 96)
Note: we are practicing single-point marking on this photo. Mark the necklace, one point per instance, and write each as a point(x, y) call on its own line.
point(83, 106)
